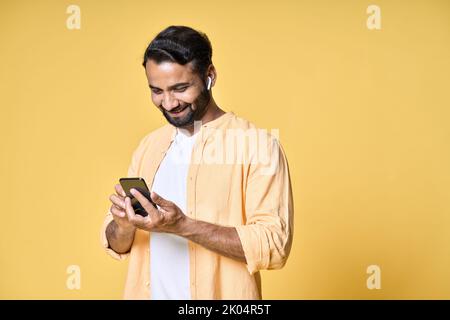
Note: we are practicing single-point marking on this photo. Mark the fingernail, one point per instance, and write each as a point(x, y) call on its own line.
point(132, 191)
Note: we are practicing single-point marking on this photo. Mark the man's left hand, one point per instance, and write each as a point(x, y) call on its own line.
point(168, 218)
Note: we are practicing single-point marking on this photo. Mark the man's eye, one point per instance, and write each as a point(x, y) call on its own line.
point(180, 89)
point(156, 91)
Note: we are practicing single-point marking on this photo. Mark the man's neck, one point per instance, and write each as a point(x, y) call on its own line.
point(212, 112)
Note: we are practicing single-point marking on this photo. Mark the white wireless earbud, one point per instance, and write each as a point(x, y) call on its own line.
point(208, 86)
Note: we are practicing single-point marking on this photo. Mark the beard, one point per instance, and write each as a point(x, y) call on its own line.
point(201, 103)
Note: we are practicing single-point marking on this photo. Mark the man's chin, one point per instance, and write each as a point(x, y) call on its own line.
point(184, 121)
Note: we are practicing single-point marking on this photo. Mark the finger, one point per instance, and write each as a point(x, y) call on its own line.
point(134, 218)
point(117, 201)
point(160, 201)
point(120, 190)
point(117, 212)
point(146, 204)
point(118, 208)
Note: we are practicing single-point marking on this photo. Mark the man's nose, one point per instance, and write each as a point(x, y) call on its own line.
point(169, 102)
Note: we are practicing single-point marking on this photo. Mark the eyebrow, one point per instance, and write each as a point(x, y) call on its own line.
point(177, 85)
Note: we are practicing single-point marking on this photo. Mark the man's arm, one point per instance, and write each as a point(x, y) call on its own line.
point(222, 240)
point(119, 239)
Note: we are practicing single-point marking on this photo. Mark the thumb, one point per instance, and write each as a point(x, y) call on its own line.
point(160, 201)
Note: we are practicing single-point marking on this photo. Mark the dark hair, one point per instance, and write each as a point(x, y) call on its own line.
point(182, 45)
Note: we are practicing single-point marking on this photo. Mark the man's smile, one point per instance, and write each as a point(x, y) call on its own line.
point(178, 111)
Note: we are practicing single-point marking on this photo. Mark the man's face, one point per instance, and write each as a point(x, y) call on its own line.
point(177, 91)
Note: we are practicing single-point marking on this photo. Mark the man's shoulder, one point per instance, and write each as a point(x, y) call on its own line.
point(240, 123)
point(237, 122)
point(245, 128)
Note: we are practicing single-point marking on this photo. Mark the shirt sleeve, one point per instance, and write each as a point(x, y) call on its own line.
point(104, 239)
point(266, 237)
point(133, 170)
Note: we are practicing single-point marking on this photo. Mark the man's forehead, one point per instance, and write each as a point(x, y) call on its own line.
point(168, 69)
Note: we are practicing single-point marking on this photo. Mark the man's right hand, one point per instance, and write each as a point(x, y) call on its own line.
point(118, 210)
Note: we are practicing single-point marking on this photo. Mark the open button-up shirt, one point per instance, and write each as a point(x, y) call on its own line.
point(233, 180)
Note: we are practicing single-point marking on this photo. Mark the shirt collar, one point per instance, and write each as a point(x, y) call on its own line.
point(210, 125)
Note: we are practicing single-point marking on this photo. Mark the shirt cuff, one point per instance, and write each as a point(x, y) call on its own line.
point(105, 243)
point(255, 245)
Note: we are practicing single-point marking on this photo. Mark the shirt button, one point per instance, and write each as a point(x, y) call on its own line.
point(147, 283)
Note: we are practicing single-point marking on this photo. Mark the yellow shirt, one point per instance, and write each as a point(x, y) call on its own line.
point(228, 187)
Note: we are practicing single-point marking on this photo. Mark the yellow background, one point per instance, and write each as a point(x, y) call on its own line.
point(363, 116)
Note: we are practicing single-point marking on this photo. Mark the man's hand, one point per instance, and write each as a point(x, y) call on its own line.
point(119, 232)
point(118, 210)
point(168, 218)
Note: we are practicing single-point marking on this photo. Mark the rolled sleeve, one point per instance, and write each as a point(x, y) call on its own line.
point(266, 237)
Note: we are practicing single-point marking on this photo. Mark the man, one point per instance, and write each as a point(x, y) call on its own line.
point(217, 222)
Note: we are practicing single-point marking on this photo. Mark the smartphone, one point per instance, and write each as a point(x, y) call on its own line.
point(140, 185)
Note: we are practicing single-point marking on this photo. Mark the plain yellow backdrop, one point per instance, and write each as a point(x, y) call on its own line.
point(363, 117)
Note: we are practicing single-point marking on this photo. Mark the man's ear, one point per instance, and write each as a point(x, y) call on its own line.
point(211, 73)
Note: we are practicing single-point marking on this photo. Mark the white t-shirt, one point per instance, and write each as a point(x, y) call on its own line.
point(169, 263)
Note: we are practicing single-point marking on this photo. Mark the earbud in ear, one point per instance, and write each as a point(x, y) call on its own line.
point(208, 86)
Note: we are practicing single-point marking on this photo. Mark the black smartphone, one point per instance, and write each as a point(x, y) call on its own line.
point(140, 185)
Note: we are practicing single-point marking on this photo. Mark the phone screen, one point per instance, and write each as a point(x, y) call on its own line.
point(140, 185)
